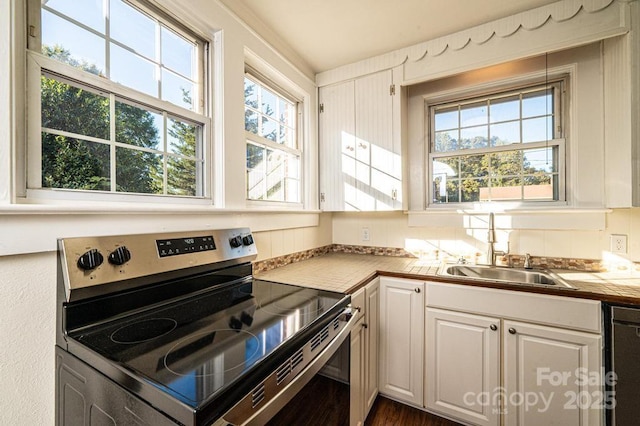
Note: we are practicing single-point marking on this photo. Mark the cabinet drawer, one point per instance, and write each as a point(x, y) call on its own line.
point(566, 312)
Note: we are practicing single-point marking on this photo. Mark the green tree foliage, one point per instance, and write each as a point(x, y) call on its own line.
point(78, 164)
point(472, 172)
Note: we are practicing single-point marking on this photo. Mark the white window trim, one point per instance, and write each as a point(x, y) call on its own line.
point(255, 74)
point(31, 191)
point(566, 161)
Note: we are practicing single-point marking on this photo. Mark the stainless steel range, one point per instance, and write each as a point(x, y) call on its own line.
point(173, 329)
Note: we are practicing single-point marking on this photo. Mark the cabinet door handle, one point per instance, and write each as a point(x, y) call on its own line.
point(493, 327)
point(512, 330)
point(417, 290)
point(365, 326)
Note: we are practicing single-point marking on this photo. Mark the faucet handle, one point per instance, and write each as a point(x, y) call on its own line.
point(527, 261)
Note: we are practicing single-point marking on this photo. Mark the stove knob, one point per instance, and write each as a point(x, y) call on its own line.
point(235, 323)
point(247, 240)
point(246, 318)
point(120, 256)
point(90, 260)
point(235, 241)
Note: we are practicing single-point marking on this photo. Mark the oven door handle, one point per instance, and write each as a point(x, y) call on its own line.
point(271, 407)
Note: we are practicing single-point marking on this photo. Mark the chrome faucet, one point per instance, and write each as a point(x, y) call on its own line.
point(491, 240)
point(527, 261)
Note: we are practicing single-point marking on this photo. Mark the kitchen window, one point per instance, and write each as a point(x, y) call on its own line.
point(274, 153)
point(501, 147)
point(119, 96)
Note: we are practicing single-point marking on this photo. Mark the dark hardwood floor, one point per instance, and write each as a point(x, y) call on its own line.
point(325, 402)
point(386, 412)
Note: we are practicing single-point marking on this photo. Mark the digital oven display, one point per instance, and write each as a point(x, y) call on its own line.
point(177, 246)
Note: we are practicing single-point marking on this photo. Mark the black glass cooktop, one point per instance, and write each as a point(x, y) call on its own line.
point(196, 348)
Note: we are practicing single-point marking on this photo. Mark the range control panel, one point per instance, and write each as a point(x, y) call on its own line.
point(89, 261)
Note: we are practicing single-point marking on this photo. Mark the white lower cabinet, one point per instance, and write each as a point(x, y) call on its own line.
point(489, 360)
point(555, 371)
point(462, 366)
point(401, 339)
point(363, 376)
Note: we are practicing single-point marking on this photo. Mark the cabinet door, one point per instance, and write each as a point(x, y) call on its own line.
point(401, 339)
point(462, 359)
point(550, 376)
point(337, 148)
point(377, 151)
point(356, 376)
point(372, 320)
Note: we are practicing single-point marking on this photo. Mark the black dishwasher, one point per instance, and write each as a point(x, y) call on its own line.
point(625, 362)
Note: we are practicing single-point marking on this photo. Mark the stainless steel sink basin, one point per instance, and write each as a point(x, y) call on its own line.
point(502, 274)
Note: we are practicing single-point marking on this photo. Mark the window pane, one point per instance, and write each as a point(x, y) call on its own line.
point(540, 187)
point(178, 53)
point(138, 171)
point(177, 90)
point(287, 113)
point(503, 189)
point(255, 157)
point(181, 176)
point(138, 127)
point(537, 103)
point(447, 141)
point(132, 28)
point(504, 109)
point(133, 71)
point(269, 129)
point(275, 174)
point(251, 121)
point(292, 193)
point(470, 189)
point(474, 137)
point(540, 160)
point(474, 165)
point(293, 166)
point(287, 137)
point(182, 138)
point(537, 129)
point(505, 133)
point(256, 166)
point(506, 164)
point(269, 103)
point(250, 93)
point(74, 110)
point(72, 45)
point(87, 12)
point(74, 164)
point(446, 119)
point(474, 114)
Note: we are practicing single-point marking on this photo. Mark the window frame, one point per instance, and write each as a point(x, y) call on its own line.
point(252, 138)
point(38, 64)
point(558, 83)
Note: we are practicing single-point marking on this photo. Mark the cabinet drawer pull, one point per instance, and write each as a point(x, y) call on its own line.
point(365, 326)
point(512, 330)
point(493, 327)
point(417, 289)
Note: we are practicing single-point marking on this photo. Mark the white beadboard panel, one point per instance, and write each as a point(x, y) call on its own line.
point(263, 244)
point(560, 219)
point(32, 233)
point(337, 133)
point(557, 244)
point(586, 244)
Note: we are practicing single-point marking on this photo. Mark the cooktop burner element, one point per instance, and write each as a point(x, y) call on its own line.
point(206, 346)
point(143, 331)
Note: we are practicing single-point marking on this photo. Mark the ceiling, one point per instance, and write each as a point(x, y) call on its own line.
point(328, 33)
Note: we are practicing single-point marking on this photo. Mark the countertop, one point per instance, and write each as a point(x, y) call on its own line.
point(346, 272)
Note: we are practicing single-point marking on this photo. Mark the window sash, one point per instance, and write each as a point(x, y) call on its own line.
point(556, 140)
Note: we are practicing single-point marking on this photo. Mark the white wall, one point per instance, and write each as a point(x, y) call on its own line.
point(392, 230)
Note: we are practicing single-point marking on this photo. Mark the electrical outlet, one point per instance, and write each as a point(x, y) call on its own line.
point(618, 243)
point(365, 234)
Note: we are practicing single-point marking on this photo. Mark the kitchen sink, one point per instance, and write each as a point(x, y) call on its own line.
point(540, 277)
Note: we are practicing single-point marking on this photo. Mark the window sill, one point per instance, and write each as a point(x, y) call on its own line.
point(542, 218)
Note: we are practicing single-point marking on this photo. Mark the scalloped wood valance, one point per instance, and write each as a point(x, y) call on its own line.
point(560, 25)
